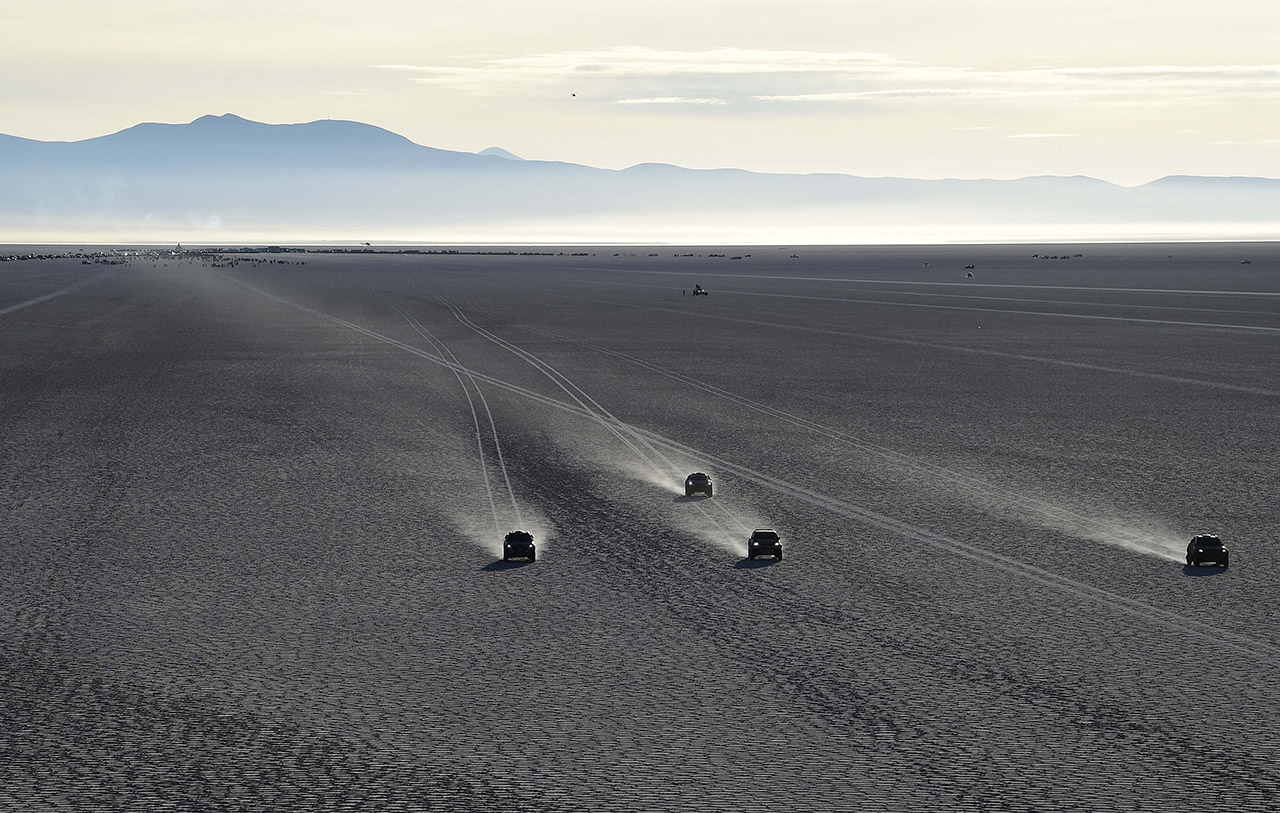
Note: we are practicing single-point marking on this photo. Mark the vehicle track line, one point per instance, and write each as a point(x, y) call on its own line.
point(972, 309)
point(1132, 607)
point(563, 383)
point(1081, 365)
point(955, 348)
point(939, 295)
point(1241, 643)
point(475, 419)
point(858, 281)
point(967, 482)
point(445, 352)
point(1015, 311)
point(75, 286)
point(622, 430)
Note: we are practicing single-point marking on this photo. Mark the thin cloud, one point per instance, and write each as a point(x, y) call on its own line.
point(927, 93)
point(1249, 142)
point(656, 69)
point(497, 73)
point(1041, 135)
point(672, 100)
point(781, 77)
point(1181, 71)
point(651, 61)
point(410, 68)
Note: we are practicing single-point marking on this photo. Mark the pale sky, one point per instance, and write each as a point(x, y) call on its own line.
point(1125, 90)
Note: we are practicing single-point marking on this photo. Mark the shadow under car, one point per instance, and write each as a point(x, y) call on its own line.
point(1204, 570)
point(747, 563)
point(506, 565)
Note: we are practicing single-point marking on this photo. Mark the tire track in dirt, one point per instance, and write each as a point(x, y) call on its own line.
point(935, 295)
point(922, 283)
point(1265, 329)
point(72, 288)
point(475, 419)
point(446, 353)
point(1173, 379)
point(1126, 606)
point(840, 694)
point(620, 429)
point(1133, 607)
point(953, 348)
point(975, 486)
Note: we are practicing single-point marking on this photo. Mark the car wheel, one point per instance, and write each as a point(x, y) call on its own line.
point(533, 556)
point(709, 492)
point(778, 555)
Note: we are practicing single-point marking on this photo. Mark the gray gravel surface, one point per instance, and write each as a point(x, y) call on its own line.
point(253, 518)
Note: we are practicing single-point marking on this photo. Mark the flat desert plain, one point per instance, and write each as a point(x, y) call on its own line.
point(253, 512)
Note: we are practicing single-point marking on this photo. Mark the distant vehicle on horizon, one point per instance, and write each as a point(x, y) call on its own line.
point(519, 545)
point(1206, 549)
point(698, 290)
point(764, 542)
point(698, 483)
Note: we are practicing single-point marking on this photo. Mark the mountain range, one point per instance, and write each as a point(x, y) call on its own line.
point(225, 176)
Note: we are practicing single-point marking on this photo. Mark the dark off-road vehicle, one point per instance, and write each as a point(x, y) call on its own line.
point(1205, 549)
point(698, 290)
point(764, 542)
point(697, 483)
point(519, 545)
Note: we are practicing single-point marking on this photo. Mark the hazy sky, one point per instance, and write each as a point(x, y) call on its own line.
point(1126, 90)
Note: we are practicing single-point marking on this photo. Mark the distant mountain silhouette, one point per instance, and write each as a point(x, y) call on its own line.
point(501, 153)
point(229, 139)
point(226, 172)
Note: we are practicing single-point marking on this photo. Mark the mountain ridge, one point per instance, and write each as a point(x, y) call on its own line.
point(368, 134)
point(221, 170)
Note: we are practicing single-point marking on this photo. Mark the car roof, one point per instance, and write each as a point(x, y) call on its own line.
point(519, 536)
point(1205, 538)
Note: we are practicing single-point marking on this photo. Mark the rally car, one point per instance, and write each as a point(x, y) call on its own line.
point(1206, 549)
point(697, 483)
point(764, 542)
point(519, 545)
